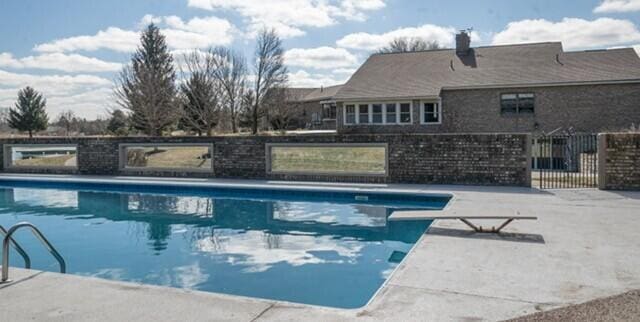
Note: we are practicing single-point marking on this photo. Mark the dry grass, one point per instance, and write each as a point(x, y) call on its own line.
point(328, 159)
point(52, 161)
point(169, 157)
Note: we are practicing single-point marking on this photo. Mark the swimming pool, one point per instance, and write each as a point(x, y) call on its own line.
point(329, 248)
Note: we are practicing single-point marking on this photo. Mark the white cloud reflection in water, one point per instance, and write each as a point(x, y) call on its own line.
point(46, 198)
point(260, 251)
point(337, 214)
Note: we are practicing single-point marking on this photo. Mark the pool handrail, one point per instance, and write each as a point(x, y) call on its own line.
point(18, 248)
point(40, 236)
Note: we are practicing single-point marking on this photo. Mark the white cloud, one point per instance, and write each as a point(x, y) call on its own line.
point(86, 95)
point(195, 33)
point(320, 58)
point(57, 61)
point(618, 6)
point(366, 41)
point(575, 33)
point(347, 71)
point(303, 78)
point(288, 17)
point(112, 38)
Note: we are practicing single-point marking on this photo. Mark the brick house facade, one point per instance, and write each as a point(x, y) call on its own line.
point(534, 88)
point(585, 108)
point(313, 108)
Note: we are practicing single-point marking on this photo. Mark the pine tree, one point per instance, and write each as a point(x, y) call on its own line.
point(118, 123)
point(29, 114)
point(147, 86)
point(200, 95)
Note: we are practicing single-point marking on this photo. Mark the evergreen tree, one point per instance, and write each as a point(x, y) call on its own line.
point(200, 95)
point(147, 86)
point(29, 114)
point(200, 104)
point(118, 123)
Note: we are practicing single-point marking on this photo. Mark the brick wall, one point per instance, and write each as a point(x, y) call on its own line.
point(479, 159)
point(586, 108)
point(619, 161)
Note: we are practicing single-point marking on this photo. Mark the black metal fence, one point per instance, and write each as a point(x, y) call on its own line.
point(565, 161)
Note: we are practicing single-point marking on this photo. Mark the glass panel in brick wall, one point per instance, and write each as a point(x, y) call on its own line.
point(42, 156)
point(328, 159)
point(168, 157)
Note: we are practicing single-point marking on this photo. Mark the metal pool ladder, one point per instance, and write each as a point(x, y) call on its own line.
point(27, 261)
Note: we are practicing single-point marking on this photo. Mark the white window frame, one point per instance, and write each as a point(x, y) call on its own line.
point(384, 113)
point(368, 113)
point(398, 111)
point(355, 115)
point(438, 104)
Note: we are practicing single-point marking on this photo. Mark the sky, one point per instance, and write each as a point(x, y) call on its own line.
point(72, 50)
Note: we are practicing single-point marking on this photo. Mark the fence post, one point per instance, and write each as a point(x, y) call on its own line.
point(529, 158)
point(602, 161)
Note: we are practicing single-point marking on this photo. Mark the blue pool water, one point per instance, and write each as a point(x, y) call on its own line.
point(331, 249)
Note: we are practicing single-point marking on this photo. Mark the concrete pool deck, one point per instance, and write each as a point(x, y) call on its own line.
point(584, 246)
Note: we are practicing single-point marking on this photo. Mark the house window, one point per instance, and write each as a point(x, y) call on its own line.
point(430, 113)
point(329, 111)
point(350, 114)
point(523, 103)
point(363, 113)
point(405, 113)
point(376, 113)
point(391, 113)
point(315, 118)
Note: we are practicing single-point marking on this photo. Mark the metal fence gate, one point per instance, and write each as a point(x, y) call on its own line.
point(565, 161)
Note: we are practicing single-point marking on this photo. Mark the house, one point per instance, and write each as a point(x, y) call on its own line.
point(313, 108)
point(535, 88)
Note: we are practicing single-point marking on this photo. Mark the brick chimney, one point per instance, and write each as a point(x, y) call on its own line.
point(463, 43)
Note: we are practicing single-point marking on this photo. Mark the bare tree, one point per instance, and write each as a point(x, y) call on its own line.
point(270, 72)
point(147, 88)
point(200, 93)
point(230, 72)
point(67, 119)
point(404, 44)
point(282, 108)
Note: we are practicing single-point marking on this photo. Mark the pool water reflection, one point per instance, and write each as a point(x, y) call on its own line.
point(330, 253)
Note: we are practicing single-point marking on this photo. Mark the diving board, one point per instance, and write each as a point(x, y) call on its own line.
point(427, 215)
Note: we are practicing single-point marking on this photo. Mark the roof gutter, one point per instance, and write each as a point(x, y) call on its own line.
point(557, 84)
point(386, 99)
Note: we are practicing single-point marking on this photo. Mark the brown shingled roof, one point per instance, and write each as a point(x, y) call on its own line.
point(313, 94)
point(297, 94)
point(323, 93)
point(426, 73)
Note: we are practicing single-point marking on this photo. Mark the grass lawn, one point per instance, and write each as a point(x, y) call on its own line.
point(328, 159)
point(169, 157)
point(52, 161)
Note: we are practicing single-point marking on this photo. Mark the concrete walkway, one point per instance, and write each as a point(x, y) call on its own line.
point(584, 246)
